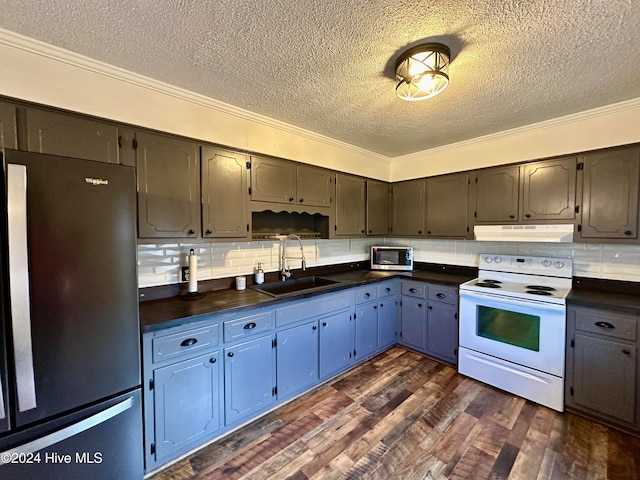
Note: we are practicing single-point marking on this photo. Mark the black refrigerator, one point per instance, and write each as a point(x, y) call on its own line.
point(70, 402)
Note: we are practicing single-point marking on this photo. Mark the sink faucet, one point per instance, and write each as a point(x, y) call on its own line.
point(284, 267)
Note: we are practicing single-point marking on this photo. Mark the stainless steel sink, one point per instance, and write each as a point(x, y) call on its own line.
point(295, 285)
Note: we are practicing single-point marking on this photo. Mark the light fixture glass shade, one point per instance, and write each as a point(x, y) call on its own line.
point(422, 71)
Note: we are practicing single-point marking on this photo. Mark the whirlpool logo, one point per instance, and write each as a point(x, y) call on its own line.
point(96, 181)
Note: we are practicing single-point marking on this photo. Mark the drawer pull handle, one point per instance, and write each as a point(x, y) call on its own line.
point(626, 352)
point(381, 305)
point(230, 354)
point(606, 325)
point(375, 307)
point(419, 305)
point(250, 325)
point(440, 295)
point(367, 295)
point(212, 360)
point(188, 342)
point(314, 328)
point(413, 290)
point(387, 289)
point(324, 324)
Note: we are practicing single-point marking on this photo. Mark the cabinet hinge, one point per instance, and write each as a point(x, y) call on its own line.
point(475, 214)
point(151, 384)
point(355, 315)
point(335, 228)
point(455, 352)
point(119, 141)
point(274, 343)
point(152, 449)
point(134, 143)
point(274, 391)
point(248, 165)
point(573, 343)
point(250, 190)
point(579, 227)
point(467, 229)
point(580, 166)
point(247, 227)
point(571, 391)
point(577, 208)
point(476, 179)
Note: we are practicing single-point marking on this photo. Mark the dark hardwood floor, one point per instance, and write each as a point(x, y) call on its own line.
point(403, 416)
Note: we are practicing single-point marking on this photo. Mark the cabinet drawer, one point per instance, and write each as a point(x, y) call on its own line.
point(438, 293)
point(247, 326)
point(385, 289)
point(607, 323)
point(313, 308)
point(179, 344)
point(413, 289)
point(366, 293)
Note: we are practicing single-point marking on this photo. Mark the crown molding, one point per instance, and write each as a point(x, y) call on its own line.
point(514, 132)
point(52, 52)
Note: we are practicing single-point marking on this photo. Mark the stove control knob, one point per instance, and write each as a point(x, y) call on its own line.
point(488, 259)
point(558, 264)
point(546, 263)
point(497, 259)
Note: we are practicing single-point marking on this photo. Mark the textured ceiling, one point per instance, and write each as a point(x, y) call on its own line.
point(327, 65)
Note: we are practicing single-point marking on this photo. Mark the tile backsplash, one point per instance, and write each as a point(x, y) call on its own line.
point(160, 264)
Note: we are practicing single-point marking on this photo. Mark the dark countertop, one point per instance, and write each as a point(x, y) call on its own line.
point(175, 311)
point(608, 294)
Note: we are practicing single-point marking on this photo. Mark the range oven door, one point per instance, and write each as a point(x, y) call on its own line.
point(524, 332)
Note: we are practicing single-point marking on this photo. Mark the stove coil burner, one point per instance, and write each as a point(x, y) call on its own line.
point(541, 288)
point(540, 292)
point(489, 283)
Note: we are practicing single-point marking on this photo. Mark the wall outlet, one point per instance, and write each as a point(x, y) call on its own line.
point(184, 274)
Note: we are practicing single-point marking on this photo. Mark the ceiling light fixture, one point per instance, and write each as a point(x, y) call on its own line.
point(422, 71)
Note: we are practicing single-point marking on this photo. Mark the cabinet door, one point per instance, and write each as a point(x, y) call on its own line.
point(297, 359)
point(273, 180)
point(610, 194)
point(224, 194)
point(442, 331)
point(70, 136)
point(186, 403)
point(549, 190)
point(168, 193)
point(447, 204)
point(248, 378)
point(407, 208)
point(494, 195)
point(387, 322)
point(604, 377)
point(336, 343)
point(366, 321)
point(413, 323)
point(314, 186)
point(378, 194)
point(8, 131)
point(350, 205)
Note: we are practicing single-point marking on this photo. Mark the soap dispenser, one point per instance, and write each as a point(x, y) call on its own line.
point(259, 275)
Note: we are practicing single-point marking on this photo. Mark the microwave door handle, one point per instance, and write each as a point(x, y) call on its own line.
point(19, 286)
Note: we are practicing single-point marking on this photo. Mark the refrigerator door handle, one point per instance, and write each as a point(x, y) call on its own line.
point(67, 432)
point(19, 285)
point(3, 413)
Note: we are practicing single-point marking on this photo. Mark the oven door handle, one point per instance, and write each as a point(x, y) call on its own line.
point(478, 297)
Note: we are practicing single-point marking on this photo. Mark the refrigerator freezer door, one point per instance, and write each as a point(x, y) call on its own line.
point(82, 282)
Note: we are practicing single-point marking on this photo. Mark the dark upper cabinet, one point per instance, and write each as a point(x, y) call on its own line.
point(224, 194)
point(8, 131)
point(407, 208)
point(168, 187)
point(494, 195)
point(549, 190)
point(610, 194)
point(447, 205)
point(73, 136)
point(378, 196)
point(350, 205)
point(282, 181)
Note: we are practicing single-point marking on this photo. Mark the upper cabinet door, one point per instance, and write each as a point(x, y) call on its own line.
point(168, 193)
point(71, 136)
point(8, 132)
point(314, 186)
point(610, 194)
point(447, 204)
point(350, 205)
point(549, 190)
point(378, 194)
point(407, 208)
point(494, 195)
point(273, 180)
point(224, 194)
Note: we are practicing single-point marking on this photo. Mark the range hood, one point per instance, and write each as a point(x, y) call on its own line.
point(524, 233)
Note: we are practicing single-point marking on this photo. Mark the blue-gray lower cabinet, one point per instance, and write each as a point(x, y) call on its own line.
point(387, 322)
point(413, 323)
point(442, 331)
point(297, 359)
point(186, 402)
point(249, 380)
point(366, 320)
point(336, 343)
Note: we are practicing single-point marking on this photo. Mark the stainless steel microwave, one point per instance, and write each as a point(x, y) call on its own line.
point(391, 258)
